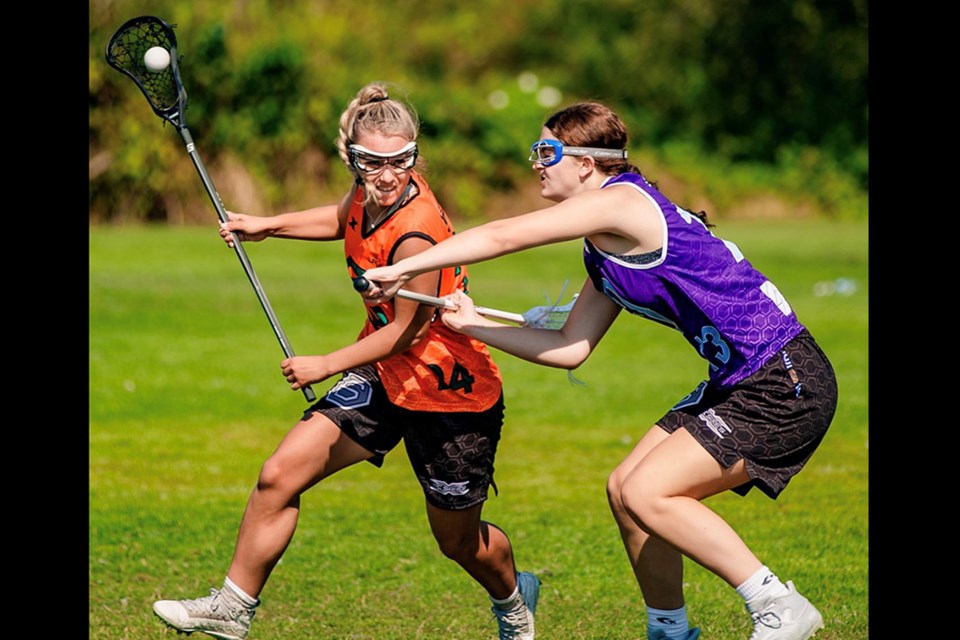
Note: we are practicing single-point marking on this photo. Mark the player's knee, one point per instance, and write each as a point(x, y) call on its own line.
point(458, 546)
point(644, 506)
point(272, 476)
point(614, 490)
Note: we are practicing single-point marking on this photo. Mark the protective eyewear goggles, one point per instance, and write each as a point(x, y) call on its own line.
point(366, 161)
point(549, 152)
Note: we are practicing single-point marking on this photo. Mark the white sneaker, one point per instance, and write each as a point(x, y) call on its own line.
point(220, 615)
point(787, 617)
point(516, 623)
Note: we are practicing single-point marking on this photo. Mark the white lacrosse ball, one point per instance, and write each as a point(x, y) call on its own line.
point(156, 59)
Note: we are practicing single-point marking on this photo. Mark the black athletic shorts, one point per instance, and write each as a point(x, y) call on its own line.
point(773, 419)
point(451, 453)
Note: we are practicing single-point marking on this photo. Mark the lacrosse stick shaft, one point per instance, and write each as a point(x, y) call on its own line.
point(361, 284)
point(446, 304)
point(241, 254)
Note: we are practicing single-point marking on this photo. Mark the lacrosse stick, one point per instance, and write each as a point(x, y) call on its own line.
point(551, 316)
point(168, 99)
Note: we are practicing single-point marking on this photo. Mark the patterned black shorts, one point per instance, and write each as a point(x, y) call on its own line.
point(451, 453)
point(774, 419)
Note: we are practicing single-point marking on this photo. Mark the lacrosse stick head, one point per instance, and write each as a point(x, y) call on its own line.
point(163, 89)
point(550, 316)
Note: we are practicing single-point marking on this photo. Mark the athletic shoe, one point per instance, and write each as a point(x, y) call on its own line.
point(787, 617)
point(516, 623)
point(221, 615)
point(660, 634)
point(529, 585)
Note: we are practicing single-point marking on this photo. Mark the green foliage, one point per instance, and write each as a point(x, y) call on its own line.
point(186, 400)
point(791, 73)
point(735, 82)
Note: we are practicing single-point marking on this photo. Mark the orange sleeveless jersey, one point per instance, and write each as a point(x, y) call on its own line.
point(446, 371)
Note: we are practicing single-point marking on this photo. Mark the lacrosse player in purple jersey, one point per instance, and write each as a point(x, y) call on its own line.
point(771, 392)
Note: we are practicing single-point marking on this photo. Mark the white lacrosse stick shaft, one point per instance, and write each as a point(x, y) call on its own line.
point(446, 304)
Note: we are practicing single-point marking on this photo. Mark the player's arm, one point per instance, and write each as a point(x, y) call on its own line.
point(591, 212)
point(410, 325)
point(565, 348)
point(317, 223)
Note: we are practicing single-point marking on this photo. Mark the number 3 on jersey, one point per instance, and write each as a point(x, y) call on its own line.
point(460, 378)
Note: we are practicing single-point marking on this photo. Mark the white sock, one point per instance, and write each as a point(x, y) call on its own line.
point(508, 602)
point(242, 595)
point(673, 622)
point(763, 583)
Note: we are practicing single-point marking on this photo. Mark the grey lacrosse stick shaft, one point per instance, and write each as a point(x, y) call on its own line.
point(238, 248)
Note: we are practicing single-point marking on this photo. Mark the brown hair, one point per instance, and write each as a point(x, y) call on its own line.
point(592, 124)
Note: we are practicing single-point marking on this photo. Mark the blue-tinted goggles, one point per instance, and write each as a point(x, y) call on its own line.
point(549, 152)
point(369, 162)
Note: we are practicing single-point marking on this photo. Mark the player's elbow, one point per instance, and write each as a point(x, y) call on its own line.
point(578, 359)
point(408, 344)
point(570, 357)
point(412, 339)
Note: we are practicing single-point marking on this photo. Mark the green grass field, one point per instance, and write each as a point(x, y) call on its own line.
point(186, 401)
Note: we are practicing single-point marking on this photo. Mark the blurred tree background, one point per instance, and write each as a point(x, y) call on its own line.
point(740, 107)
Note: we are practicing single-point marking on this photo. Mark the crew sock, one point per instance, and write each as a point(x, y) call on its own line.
point(248, 601)
point(673, 622)
point(762, 584)
point(508, 602)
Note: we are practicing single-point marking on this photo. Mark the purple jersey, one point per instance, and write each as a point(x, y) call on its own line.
point(700, 285)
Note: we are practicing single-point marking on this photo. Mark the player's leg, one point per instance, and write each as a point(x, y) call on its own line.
point(485, 553)
point(345, 427)
point(759, 433)
point(657, 566)
point(312, 450)
point(351, 423)
point(452, 455)
point(481, 548)
point(663, 493)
